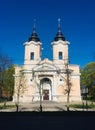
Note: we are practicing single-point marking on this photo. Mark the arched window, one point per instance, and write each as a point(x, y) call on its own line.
point(60, 55)
point(32, 56)
point(45, 80)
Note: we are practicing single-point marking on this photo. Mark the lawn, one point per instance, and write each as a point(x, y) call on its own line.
point(82, 106)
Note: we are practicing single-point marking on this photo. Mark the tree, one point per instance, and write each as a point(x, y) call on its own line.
point(9, 82)
point(88, 78)
point(5, 63)
point(92, 91)
point(68, 82)
point(20, 87)
point(39, 89)
point(68, 89)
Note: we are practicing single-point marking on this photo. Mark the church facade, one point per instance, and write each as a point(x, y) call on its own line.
point(46, 79)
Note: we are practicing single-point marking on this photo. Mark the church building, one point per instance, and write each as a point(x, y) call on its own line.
point(47, 79)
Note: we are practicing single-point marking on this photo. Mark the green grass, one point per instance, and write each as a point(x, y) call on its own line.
point(7, 106)
point(80, 106)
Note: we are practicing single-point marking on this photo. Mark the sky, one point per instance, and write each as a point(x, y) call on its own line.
point(77, 25)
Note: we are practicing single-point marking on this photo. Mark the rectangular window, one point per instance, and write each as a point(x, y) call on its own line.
point(32, 56)
point(60, 56)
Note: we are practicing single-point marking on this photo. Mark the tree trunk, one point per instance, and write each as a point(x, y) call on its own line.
point(17, 104)
point(68, 101)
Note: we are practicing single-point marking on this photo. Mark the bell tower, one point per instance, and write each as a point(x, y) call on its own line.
point(32, 49)
point(60, 47)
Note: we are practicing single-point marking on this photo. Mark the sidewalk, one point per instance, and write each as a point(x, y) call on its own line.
point(46, 106)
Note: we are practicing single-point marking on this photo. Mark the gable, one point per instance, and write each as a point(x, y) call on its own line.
point(45, 67)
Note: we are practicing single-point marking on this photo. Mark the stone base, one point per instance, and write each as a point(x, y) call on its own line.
point(57, 98)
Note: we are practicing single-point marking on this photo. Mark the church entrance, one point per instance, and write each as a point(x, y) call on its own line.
point(46, 88)
point(45, 94)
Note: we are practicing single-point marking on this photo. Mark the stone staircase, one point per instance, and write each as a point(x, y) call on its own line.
point(46, 106)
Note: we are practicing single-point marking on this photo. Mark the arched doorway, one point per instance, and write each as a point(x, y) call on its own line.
point(46, 88)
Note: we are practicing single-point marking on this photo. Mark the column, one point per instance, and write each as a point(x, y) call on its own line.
point(54, 84)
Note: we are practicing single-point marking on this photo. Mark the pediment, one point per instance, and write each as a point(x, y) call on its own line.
point(45, 67)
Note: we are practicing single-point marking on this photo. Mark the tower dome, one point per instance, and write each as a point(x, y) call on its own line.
point(34, 36)
point(59, 35)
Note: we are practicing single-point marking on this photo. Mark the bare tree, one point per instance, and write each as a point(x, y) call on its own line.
point(67, 72)
point(69, 84)
point(20, 87)
point(37, 82)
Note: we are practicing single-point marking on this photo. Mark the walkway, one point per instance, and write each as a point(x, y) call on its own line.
point(46, 106)
point(35, 106)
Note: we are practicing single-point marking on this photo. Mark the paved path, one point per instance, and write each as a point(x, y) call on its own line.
point(35, 106)
point(46, 106)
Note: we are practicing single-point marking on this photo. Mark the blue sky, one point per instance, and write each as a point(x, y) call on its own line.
point(77, 25)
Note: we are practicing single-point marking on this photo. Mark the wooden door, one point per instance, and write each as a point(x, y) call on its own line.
point(45, 94)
